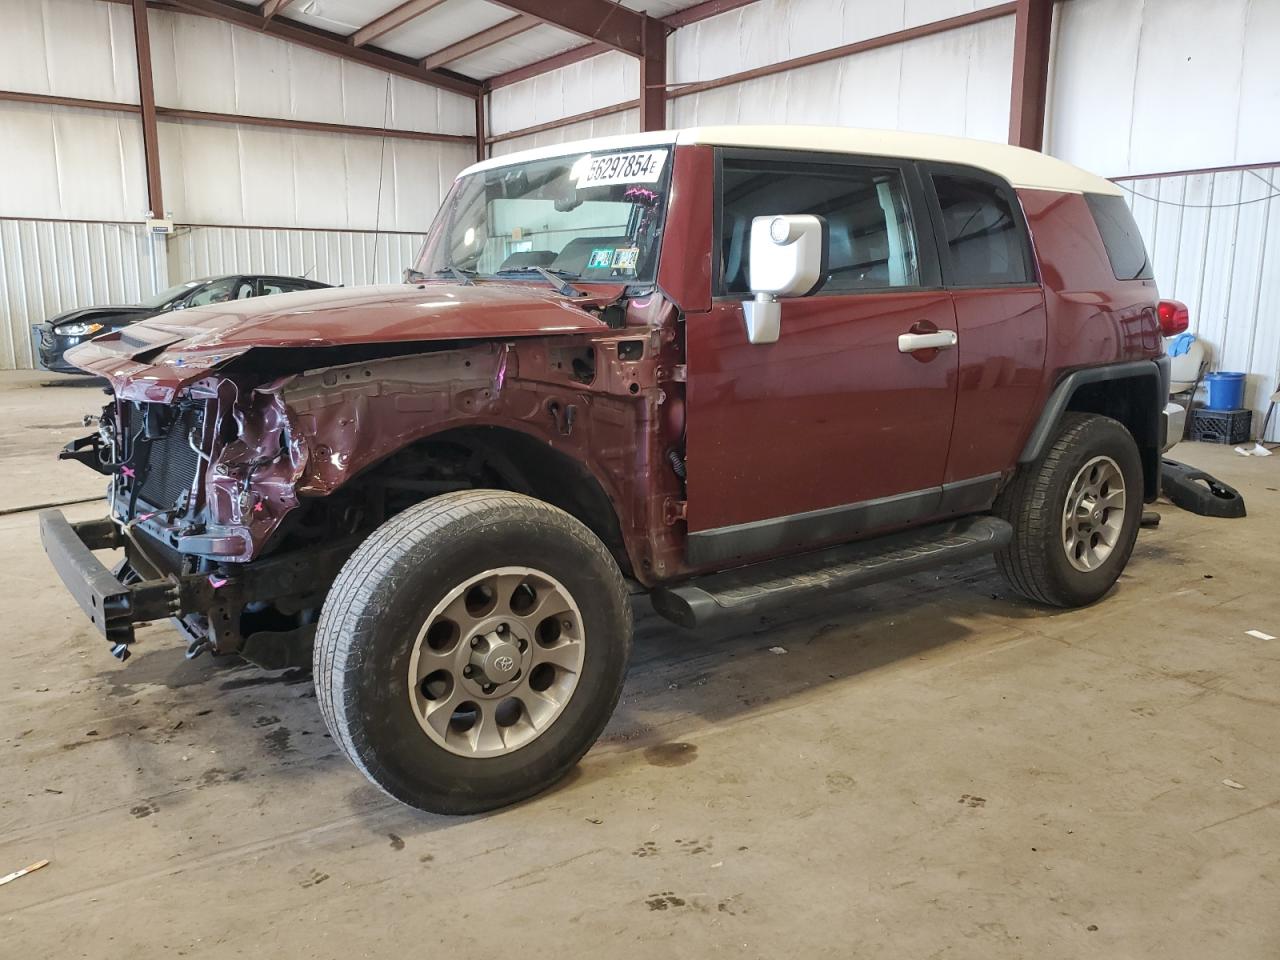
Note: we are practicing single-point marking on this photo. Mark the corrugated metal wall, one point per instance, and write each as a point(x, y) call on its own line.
point(345, 257)
point(894, 87)
point(46, 268)
point(602, 81)
point(627, 121)
point(65, 167)
point(1214, 239)
point(1144, 86)
point(953, 83)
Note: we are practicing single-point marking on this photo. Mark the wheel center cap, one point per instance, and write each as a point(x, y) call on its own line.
point(500, 662)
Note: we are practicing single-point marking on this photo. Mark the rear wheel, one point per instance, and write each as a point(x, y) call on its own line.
point(1075, 514)
point(472, 649)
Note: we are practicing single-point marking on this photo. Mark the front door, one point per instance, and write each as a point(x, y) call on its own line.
point(833, 431)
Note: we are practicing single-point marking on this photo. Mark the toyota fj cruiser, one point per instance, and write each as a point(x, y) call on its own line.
point(721, 366)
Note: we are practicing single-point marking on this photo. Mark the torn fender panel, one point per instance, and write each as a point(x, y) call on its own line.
point(152, 360)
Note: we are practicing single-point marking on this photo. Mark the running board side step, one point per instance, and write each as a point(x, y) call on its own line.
point(743, 590)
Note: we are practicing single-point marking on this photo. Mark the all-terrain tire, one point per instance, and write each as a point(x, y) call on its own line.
point(1036, 561)
point(377, 607)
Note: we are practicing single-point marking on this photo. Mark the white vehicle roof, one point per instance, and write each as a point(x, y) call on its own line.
point(1022, 168)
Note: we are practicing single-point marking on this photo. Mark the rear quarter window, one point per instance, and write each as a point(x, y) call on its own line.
point(983, 233)
point(1120, 237)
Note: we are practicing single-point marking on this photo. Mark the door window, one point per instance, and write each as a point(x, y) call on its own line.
point(982, 232)
point(873, 244)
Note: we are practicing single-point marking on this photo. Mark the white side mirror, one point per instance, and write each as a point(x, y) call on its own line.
point(788, 259)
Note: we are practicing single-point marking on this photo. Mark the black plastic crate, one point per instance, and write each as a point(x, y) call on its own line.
point(1220, 426)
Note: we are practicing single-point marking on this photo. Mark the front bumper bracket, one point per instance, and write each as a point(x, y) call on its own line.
point(297, 579)
point(112, 606)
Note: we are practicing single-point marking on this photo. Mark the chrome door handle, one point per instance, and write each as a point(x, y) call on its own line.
point(911, 342)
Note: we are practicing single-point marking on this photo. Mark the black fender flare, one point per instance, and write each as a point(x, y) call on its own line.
point(1152, 374)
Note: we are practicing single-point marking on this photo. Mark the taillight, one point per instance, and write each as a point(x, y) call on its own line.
point(1174, 317)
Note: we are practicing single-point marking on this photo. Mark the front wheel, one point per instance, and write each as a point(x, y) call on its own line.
point(1075, 514)
point(472, 649)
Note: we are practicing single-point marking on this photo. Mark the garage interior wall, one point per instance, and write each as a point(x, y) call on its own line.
point(1137, 93)
point(339, 207)
point(1165, 103)
point(1137, 90)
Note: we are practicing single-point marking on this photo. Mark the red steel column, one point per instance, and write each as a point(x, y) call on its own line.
point(482, 126)
point(1033, 29)
point(653, 76)
point(147, 99)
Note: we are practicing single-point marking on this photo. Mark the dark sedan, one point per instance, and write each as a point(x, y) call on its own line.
point(55, 337)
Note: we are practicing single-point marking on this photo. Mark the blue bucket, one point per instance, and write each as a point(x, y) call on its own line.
point(1226, 391)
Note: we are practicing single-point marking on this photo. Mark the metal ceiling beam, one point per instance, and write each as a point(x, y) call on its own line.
point(330, 43)
point(147, 107)
point(609, 23)
point(272, 7)
point(479, 41)
point(392, 19)
point(674, 21)
point(702, 11)
point(1032, 35)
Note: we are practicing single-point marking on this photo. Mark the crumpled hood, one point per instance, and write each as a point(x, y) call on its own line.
point(152, 359)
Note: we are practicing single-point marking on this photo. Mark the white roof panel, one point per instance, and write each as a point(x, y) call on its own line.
point(659, 8)
point(521, 50)
point(1022, 168)
point(338, 16)
point(441, 26)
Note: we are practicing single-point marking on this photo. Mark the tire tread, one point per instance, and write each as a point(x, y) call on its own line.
point(352, 602)
point(1027, 504)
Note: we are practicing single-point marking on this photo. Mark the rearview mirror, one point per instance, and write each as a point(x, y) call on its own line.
point(788, 259)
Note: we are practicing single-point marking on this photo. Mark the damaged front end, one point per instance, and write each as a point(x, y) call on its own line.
point(245, 469)
point(197, 488)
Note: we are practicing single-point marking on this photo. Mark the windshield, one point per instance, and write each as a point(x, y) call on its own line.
point(164, 296)
point(594, 216)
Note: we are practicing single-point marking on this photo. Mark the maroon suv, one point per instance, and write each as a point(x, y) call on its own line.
point(722, 366)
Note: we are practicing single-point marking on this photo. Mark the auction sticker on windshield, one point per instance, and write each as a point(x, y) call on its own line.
point(643, 166)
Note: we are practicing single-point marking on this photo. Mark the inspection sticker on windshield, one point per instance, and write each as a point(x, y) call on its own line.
point(643, 166)
point(625, 258)
point(600, 258)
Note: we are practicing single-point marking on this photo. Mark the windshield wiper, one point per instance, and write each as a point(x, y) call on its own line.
point(461, 274)
point(557, 278)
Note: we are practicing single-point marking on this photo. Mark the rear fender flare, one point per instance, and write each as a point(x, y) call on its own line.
point(1148, 375)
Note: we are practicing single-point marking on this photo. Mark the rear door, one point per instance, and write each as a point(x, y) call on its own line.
point(989, 268)
point(831, 432)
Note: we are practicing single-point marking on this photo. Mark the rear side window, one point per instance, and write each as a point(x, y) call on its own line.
point(982, 233)
point(1125, 249)
point(873, 244)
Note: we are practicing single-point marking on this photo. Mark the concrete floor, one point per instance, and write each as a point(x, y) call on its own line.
point(933, 768)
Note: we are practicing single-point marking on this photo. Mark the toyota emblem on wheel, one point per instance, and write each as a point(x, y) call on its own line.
point(504, 663)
